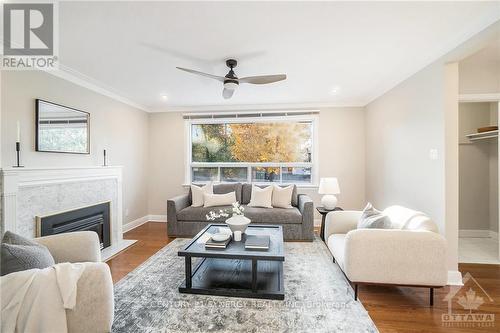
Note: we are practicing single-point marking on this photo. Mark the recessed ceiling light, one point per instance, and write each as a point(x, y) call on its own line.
point(164, 97)
point(335, 90)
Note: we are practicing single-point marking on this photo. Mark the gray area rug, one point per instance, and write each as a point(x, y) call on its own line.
point(317, 298)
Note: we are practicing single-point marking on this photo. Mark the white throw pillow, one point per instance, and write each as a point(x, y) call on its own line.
point(261, 197)
point(373, 219)
point(212, 200)
point(197, 199)
point(282, 196)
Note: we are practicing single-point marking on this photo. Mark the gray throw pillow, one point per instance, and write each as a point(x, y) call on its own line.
point(19, 254)
point(373, 219)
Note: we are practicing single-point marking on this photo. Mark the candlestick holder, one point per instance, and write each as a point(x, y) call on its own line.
point(18, 155)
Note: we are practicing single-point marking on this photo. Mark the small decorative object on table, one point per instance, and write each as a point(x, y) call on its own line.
point(238, 223)
point(254, 242)
point(104, 161)
point(217, 241)
point(18, 147)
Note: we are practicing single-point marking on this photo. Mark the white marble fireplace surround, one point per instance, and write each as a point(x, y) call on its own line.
point(31, 192)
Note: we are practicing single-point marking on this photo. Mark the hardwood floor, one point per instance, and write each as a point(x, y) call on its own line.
point(393, 309)
point(151, 237)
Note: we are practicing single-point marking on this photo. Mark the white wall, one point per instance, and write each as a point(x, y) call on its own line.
point(341, 154)
point(402, 127)
point(480, 72)
point(118, 127)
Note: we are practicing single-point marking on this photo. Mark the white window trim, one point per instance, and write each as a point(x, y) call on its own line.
point(314, 164)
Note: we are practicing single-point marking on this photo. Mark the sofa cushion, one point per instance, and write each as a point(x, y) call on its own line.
point(421, 223)
point(223, 189)
point(199, 214)
point(336, 244)
point(197, 194)
point(273, 215)
point(255, 214)
point(372, 218)
point(261, 197)
point(282, 196)
point(19, 254)
point(246, 193)
point(400, 215)
point(217, 200)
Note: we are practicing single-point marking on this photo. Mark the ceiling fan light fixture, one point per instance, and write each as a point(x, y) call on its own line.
point(230, 85)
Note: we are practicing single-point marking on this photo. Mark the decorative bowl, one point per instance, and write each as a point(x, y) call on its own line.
point(220, 236)
point(238, 223)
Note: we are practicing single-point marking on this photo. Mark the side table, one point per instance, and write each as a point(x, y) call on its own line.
point(323, 213)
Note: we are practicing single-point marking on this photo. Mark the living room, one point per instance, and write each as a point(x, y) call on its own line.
point(289, 136)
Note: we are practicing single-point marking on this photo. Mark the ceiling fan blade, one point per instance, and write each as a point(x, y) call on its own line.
point(219, 78)
point(227, 93)
point(262, 79)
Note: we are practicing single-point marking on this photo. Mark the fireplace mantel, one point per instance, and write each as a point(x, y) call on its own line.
point(28, 192)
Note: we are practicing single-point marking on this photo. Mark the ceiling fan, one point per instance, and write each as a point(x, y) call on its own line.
point(231, 81)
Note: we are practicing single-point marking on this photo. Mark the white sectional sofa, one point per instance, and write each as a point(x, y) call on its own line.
point(411, 253)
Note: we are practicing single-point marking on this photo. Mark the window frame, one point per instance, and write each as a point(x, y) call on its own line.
point(314, 165)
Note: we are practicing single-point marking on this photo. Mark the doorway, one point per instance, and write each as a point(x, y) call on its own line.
point(478, 183)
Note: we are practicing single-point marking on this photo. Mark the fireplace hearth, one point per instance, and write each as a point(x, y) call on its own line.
point(91, 218)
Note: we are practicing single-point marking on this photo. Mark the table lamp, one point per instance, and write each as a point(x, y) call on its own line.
point(329, 187)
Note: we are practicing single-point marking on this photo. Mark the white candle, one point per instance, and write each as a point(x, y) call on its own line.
point(18, 131)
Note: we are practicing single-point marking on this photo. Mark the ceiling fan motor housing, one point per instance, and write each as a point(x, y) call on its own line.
point(231, 81)
point(231, 63)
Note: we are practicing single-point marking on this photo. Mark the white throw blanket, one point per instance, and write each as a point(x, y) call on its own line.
point(35, 300)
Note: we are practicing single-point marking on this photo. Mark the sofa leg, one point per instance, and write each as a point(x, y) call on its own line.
point(355, 291)
point(431, 296)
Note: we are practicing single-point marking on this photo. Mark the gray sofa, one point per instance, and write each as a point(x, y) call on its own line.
point(297, 222)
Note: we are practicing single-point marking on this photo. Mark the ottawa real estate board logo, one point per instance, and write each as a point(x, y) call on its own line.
point(29, 36)
point(464, 306)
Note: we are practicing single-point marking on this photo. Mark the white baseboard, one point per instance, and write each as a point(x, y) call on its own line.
point(157, 218)
point(477, 233)
point(135, 223)
point(140, 221)
point(455, 278)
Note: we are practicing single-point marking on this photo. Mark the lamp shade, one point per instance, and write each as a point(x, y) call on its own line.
point(329, 186)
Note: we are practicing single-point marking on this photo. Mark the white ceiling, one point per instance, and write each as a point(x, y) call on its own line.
point(362, 48)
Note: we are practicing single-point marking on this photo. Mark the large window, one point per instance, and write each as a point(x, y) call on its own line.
point(252, 150)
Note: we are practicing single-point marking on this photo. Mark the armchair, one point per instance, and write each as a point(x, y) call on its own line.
point(94, 307)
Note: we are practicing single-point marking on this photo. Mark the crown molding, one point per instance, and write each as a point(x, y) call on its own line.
point(74, 76)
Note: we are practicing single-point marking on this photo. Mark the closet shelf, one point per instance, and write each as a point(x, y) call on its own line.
point(483, 136)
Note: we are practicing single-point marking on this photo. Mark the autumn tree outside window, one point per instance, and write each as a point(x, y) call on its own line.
point(277, 150)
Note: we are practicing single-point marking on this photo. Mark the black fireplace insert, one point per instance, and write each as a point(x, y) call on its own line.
point(93, 218)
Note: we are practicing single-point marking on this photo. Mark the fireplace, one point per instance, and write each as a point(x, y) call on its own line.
point(91, 218)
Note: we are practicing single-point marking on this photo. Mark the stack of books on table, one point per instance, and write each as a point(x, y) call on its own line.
point(257, 242)
point(211, 244)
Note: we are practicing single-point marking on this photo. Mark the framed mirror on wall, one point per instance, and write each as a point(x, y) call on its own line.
point(61, 129)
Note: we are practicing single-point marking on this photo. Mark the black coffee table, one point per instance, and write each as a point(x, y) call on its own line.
point(234, 271)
